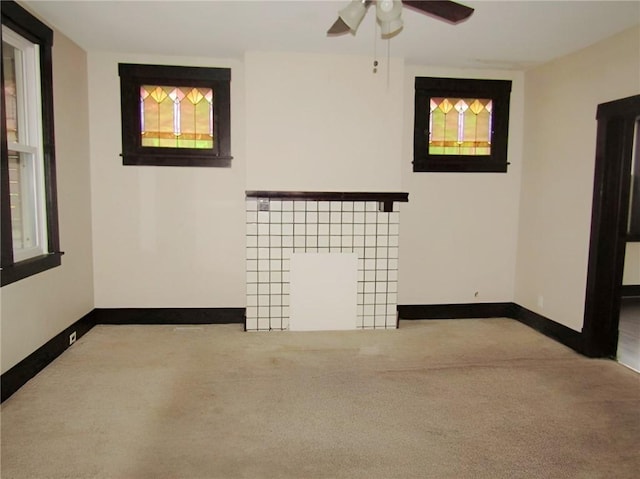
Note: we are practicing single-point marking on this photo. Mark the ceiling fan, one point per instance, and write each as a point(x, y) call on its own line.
point(389, 13)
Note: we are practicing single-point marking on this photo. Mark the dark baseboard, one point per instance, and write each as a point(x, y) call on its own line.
point(546, 326)
point(169, 315)
point(455, 311)
point(630, 290)
point(18, 375)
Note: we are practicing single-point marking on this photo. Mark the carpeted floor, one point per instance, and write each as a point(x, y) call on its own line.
point(459, 399)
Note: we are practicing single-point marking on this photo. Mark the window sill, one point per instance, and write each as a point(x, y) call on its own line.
point(191, 160)
point(451, 165)
point(29, 267)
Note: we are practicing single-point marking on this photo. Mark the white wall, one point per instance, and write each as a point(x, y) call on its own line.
point(555, 214)
point(458, 232)
point(164, 236)
point(37, 308)
point(323, 123)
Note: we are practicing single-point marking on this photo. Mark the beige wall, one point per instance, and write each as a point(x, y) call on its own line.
point(37, 308)
point(164, 236)
point(632, 264)
point(174, 237)
point(323, 123)
point(555, 208)
point(458, 231)
point(310, 122)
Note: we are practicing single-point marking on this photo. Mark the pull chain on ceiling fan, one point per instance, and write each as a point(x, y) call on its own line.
point(389, 14)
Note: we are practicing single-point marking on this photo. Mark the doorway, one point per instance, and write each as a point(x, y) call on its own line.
point(610, 224)
point(628, 352)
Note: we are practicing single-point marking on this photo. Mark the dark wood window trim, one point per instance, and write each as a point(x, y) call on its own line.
point(633, 234)
point(22, 22)
point(497, 90)
point(133, 76)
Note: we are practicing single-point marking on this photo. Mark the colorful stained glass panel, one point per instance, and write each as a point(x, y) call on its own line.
point(176, 117)
point(460, 126)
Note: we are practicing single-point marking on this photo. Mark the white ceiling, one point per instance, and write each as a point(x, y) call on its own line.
point(500, 34)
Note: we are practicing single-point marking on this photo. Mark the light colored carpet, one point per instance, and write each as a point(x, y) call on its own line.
point(486, 398)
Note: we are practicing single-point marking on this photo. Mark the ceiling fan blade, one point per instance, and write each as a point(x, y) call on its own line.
point(451, 11)
point(338, 27)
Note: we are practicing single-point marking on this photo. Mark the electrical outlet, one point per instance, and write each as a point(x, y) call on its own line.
point(540, 301)
point(72, 338)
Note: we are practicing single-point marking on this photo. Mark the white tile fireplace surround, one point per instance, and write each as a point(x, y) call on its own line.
point(287, 235)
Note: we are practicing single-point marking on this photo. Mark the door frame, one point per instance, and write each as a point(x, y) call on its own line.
point(612, 179)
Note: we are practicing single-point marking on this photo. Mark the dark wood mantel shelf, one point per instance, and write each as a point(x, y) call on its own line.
point(386, 198)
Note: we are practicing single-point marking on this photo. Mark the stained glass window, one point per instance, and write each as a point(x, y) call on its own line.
point(460, 126)
point(177, 117)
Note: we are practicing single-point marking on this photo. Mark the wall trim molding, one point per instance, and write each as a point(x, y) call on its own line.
point(18, 375)
point(330, 195)
point(561, 333)
point(630, 290)
point(169, 315)
point(29, 367)
point(455, 311)
point(615, 133)
point(548, 327)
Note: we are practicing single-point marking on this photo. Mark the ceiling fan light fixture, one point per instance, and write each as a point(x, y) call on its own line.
point(391, 27)
point(388, 10)
point(389, 14)
point(353, 14)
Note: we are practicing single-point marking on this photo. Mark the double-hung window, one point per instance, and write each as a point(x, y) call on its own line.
point(28, 195)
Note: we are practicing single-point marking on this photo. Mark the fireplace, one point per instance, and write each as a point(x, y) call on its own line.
point(359, 225)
